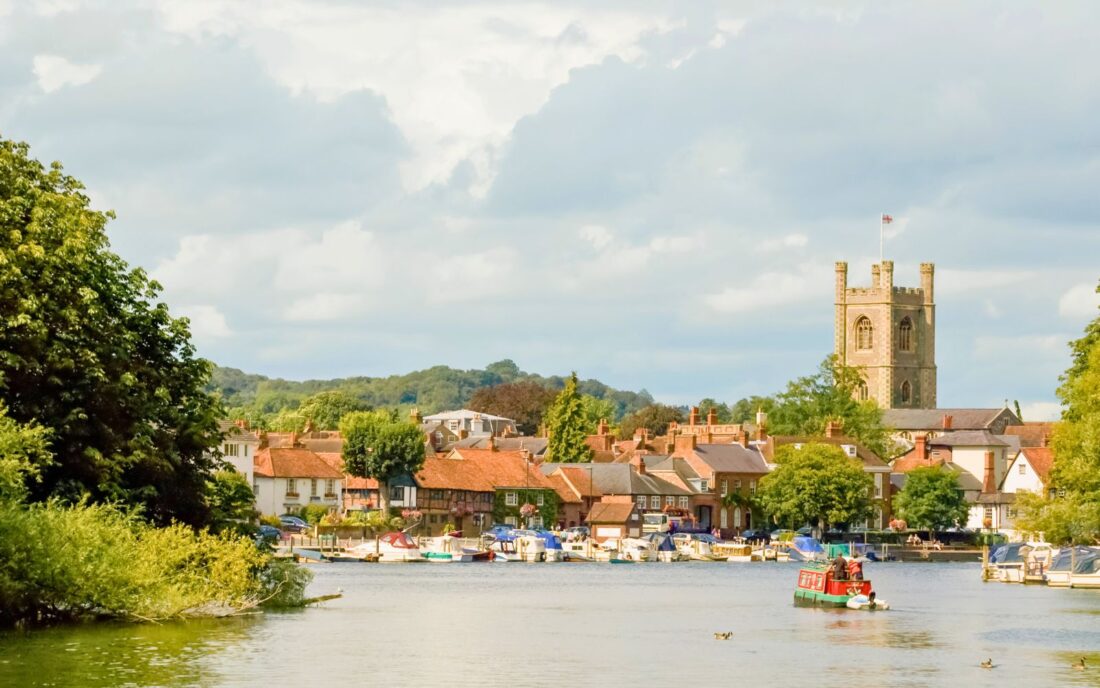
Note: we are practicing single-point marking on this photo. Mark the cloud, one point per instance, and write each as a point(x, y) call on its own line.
point(771, 290)
point(54, 72)
point(597, 235)
point(1079, 302)
point(1041, 410)
point(324, 306)
point(207, 322)
point(783, 243)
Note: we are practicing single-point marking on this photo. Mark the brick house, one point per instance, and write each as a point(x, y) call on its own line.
point(614, 518)
point(724, 478)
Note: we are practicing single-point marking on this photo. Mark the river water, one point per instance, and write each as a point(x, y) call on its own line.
point(593, 625)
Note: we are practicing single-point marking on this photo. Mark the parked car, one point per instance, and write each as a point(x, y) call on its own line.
point(756, 534)
point(269, 533)
point(805, 531)
point(293, 524)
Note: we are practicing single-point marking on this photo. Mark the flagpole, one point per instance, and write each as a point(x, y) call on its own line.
point(881, 240)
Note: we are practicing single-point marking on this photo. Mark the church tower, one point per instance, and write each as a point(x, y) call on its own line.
point(891, 333)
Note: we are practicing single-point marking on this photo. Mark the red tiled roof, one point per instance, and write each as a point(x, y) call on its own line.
point(565, 492)
point(284, 462)
point(452, 474)
point(504, 468)
point(1033, 434)
point(910, 460)
point(1042, 460)
point(581, 479)
point(351, 482)
point(610, 512)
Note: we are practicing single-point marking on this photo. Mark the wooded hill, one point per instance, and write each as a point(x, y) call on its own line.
point(439, 388)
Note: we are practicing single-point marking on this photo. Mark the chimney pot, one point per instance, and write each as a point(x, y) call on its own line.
point(947, 421)
point(922, 447)
point(693, 419)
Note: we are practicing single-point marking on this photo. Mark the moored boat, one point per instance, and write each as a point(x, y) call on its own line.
point(817, 587)
point(391, 547)
point(446, 549)
point(1086, 571)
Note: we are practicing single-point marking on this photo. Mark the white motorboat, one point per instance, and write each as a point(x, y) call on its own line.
point(637, 549)
point(391, 547)
point(446, 549)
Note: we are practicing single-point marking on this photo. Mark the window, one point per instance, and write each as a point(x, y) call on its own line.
point(723, 518)
point(737, 485)
point(654, 502)
point(291, 486)
point(1023, 468)
point(313, 487)
point(752, 487)
point(641, 501)
point(849, 449)
point(232, 450)
point(862, 392)
point(511, 499)
point(683, 502)
point(737, 517)
point(878, 485)
point(905, 334)
point(704, 486)
point(437, 495)
point(541, 499)
point(330, 487)
point(725, 488)
point(865, 336)
point(670, 501)
point(452, 425)
point(397, 493)
point(906, 392)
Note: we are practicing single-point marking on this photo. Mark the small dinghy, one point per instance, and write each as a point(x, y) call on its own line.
point(867, 603)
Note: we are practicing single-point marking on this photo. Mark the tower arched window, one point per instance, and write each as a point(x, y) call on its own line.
point(905, 334)
point(906, 392)
point(865, 334)
point(862, 392)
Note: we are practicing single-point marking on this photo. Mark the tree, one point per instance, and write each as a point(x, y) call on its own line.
point(809, 403)
point(594, 410)
point(23, 453)
point(745, 410)
point(654, 418)
point(325, 409)
point(932, 499)
point(817, 484)
point(565, 423)
point(721, 411)
point(524, 402)
point(88, 352)
point(377, 445)
point(231, 503)
point(1073, 514)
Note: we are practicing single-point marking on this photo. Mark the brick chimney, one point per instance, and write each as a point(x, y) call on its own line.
point(1044, 439)
point(601, 429)
point(684, 444)
point(638, 464)
point(744, 439)
point(263, 439)
point(712, 417)
point(832, 428)
point(947, 421)
point(989, 480)
point(693, 419)
point(761, 425)
point(921, 447)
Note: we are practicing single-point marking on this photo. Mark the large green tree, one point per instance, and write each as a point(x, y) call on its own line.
point(378, 445)
point(525, 402)
point(1073, 513)
point(566, 425)
point(89, 353)
point(654, 418)
point(931, 499)
point(817, 484)
point(231, 503)
point(808, 403)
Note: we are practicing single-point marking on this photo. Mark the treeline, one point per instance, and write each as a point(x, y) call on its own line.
point(275, 402)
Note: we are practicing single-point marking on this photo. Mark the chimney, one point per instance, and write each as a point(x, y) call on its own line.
point(492, 443)
point(638, 464)
point(832, 429)
point(922, 448)
point(989, 480)
point(263, 439)
point(1044, 439)
point(601, 429)
point(693, 419)
point(684, 444)
point(241, 423)
point(712, 417)
point(744, 438)
point(761, 424)
point(946, 422)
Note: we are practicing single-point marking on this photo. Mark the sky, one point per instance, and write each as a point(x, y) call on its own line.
point(649, 193)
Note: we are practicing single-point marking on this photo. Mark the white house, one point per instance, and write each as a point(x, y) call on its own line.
point(475, 424)
point(285, 479)
point(239, 445)
point(1029, 471)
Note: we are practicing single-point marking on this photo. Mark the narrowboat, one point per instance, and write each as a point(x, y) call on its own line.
point(816, 587)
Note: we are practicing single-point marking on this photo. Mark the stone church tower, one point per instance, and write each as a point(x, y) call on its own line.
point(891, 333)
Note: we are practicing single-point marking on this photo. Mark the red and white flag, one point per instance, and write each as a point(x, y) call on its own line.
point(886, 219)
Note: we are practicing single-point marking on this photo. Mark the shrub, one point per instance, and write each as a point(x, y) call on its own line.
point(313, 513)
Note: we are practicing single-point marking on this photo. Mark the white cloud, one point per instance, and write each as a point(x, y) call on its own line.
point(324, 306)
point(1041, 410)
point(1079, 302)
point(1014, 345)
point(771, 290)
point(789, 241)
point(207, 322)
point(597, 235)
point(485, 276)
point(54, 72)
point(955, 282)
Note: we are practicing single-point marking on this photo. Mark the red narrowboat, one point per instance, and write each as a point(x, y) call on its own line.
point(817, 587)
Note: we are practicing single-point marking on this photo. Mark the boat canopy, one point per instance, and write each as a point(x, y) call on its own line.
point(1012, 553)
point(399, 540)
point(552, 541)
point(662, 541)
point(1089, 563)
point(808, 544)
point(1066, 556)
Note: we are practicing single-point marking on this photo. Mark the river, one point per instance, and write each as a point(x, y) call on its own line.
point(593, 625)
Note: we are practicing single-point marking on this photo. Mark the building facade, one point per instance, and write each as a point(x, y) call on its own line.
point(890, 332)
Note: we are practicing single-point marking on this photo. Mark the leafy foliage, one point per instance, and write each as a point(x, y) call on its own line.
point(818, 484)
point(654, 418)
point(809, 403)
point(721, 411)
point(932, 499)
point(88, 352)
point(525, 402)
point(566, 425)
point(594, 410)
point(377, 445)
point(231, 503)
point(23, 452)
point(1073, 517)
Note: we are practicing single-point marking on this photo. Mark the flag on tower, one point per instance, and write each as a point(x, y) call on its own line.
point(886, 219)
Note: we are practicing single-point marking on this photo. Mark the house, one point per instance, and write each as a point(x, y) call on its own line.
point(908, 423)
point(1030, 471)
point(535, 445)
point(359, 494)
point(454, 491)
point(475, 423)
point(572, 507)
point(614, 518)
point(596, 481)
point(1033, 433)
point(239, 445)
point(873, 464)
point(516, 481)
point(286, 479)
point(439, 437)
point(980, 460)
point(726, 478)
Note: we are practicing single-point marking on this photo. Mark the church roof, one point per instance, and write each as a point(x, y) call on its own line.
point(932, 419)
